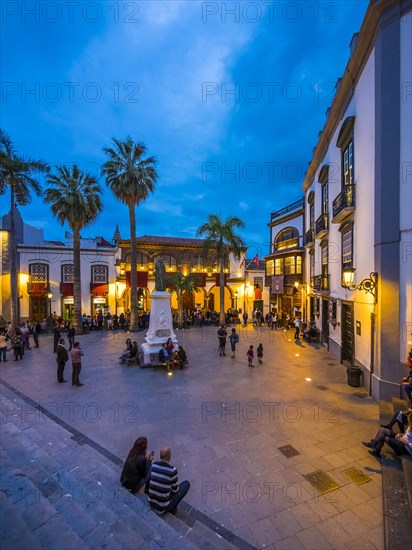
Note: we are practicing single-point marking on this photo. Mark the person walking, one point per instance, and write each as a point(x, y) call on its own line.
point(3, 345)
point(163, 487)
point(259, 353)
point(56, 335)
point(36, 332)
point(221, 334)
point(61, 357)
point(250, 355)
point(17, 345)
point(297, 328)
point(245, 318)
point(234, 339)
point(71, 332)
point(76, 355)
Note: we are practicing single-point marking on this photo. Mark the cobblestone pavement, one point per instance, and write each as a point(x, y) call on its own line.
point(225, 423)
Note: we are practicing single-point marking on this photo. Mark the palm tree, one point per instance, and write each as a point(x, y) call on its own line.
point(74, 197)
point(131, 177)
point(18, 174)
point(221, 236)
point(180, 284)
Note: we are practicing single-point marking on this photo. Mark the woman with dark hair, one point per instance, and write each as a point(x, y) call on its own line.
point(136, 469)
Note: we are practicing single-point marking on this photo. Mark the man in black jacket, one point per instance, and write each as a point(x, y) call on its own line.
point(61, 357)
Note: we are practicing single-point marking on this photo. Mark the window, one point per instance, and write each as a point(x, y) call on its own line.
point(312, 216)
point(141, 260)
point(287, 238)
point(312, 264)
point(99, 274)
point(288, 266)
point(258, 282)
point(270, 266)
point(347, 245)
point(68, 273)
point(325, 201)
point(348, 168)
point(38, 273)
point(325, 259)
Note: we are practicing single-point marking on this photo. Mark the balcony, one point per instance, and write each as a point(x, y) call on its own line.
point(37, 290)
point(320, 283)
point(322, 226)
point(309, 239)
point(344, 204)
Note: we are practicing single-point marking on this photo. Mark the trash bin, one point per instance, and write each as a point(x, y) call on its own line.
point(354, 376)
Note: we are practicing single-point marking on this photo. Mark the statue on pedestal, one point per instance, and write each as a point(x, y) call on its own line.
point(160, 275)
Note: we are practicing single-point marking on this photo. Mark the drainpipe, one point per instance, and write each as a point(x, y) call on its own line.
point(372, 363)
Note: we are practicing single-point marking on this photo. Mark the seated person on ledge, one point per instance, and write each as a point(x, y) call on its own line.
point(312, 332)
point(133, 354)
point(163, 488)
point(165, 356)
point(180, 357)
point(126, 351)
point(400, 443)
point(136, 469)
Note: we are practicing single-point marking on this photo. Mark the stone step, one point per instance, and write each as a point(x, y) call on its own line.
point(75, 484)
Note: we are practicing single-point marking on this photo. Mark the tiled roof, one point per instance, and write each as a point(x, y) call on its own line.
point(169, 240)
point(251, 266)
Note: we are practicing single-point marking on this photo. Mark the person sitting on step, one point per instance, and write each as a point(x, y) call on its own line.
point(136, 469)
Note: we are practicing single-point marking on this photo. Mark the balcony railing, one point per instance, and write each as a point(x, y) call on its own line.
point(290, 208)
point(322, 226)
point(320, 283)
point(309, 239)
point(344, 204)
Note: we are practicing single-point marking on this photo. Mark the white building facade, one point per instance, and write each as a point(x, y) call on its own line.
point(45, 274)
point(358, 204)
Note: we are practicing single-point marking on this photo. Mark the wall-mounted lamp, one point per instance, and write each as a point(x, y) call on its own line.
point(122, 271)
point(368, 284)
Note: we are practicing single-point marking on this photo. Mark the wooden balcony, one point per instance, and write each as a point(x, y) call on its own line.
point(322, 226)
point(320, 283)
point(309, 239)
point(344, 204)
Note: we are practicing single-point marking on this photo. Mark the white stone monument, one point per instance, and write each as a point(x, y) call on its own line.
point(161, 321)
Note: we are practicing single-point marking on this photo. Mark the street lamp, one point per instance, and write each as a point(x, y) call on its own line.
point(368, 284)
point(50, 296)
point(236, 295)
point(246, 286)
point(303, 288)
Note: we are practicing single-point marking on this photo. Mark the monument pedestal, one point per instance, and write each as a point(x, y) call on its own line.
point(160, 326)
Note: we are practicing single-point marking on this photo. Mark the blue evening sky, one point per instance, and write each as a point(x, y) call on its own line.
point(228, 96)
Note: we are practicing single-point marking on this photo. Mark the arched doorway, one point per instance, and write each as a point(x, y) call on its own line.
point(188, 301)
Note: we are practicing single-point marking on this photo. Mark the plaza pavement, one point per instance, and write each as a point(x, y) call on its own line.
point(225, 423)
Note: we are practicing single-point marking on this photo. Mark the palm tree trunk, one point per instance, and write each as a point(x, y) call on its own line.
point(222, 316)
point(133, 267)
point(180, 309)
point(14, 309)
point(77, 285)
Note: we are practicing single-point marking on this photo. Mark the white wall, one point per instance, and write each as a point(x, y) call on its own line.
point(405, 184)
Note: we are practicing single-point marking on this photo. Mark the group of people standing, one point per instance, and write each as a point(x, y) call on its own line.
point(62, 356)
point(17, 339)
point(234, 340)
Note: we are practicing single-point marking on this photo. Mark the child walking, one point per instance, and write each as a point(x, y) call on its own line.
point(250, 356)
point(259, 353)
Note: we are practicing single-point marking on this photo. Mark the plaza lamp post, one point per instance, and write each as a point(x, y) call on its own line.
point(302, 289)
point(236, 295)
point(245, 290)
point(50, 296)
point(369, 285)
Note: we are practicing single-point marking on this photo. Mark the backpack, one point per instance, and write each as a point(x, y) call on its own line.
point(236, 338)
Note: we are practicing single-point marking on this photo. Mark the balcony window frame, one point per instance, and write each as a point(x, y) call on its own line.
point(293, 239)
point(346, 229)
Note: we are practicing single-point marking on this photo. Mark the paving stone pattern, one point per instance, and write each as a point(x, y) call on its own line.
point(225, 423)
